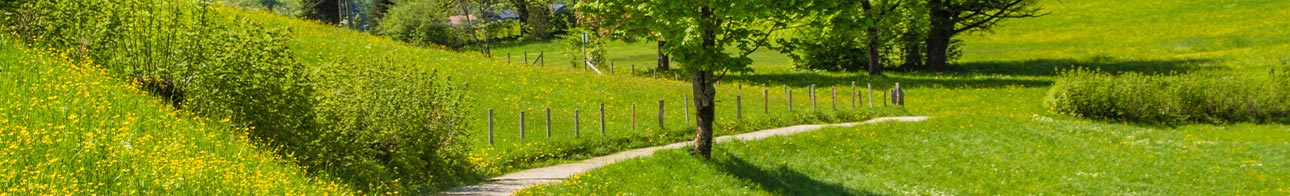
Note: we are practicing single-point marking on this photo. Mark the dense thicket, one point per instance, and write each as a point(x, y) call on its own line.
point(1173, 99)
point(378, 131)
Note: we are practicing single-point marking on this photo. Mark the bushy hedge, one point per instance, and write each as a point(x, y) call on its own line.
point(423, 23)
point(385, 123)
point(1173, 99)
point(381, 131)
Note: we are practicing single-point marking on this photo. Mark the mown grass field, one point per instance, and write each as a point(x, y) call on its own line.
point(992, 134)
point(71, 129)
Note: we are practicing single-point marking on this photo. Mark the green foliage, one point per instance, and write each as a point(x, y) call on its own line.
point(327, 11)
point(75, 129)
point(188, 54)
point(743, 25)
point(1172, 99)
point(384, 132)
point(592, 51)
point(423, 22)
point(281, 7)
point(388, 129)
point(824, 48)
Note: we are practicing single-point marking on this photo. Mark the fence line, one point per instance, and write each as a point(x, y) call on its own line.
point(894, 97)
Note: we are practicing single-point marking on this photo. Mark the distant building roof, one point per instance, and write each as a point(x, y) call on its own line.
point(460, 19)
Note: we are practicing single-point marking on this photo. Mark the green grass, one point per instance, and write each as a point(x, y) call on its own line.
point(510, 89)
point(990, 132)
point(72, 129)
point(970, 146)
point(643, 54)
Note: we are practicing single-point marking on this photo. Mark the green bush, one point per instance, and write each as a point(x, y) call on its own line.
point(825, 49)
point(423, 22)
point(405, 129)
point(188, 53)
point(1172, 99)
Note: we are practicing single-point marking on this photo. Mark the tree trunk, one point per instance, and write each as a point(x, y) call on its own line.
point(938, 45)
point(522, 9)
point(662, 57)
point(875, 67)
point(871, 33)
point(704, 91)
point(704, 94)
point(938, 39)
point(913, 51)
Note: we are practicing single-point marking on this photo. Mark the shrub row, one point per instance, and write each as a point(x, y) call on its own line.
point(1187, 98)
point(379, 131)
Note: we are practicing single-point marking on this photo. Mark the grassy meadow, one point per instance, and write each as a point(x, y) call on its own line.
point(991, 133)
point(508, 89)
point(71, 129)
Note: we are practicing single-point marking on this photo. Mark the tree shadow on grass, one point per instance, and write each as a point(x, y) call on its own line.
point(1051, 67)
point(781, 180)
point(800, 80)
point(990, 74)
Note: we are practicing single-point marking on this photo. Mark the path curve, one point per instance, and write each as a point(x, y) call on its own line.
point(509, 183)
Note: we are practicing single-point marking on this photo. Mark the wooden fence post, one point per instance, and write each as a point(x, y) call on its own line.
point(812, 91)
point(542, 58)
point(685, 102)
point(870, 95)
point(835, 97)
point(611, 68)
point(548, 123)
point(521, 125)
point(508, 58)
point(602, 119)
point(526, 57)
point(660, 115)
point(739, 107)
point(789, 94)
point(576, 131)
point(853, 95)
point(899, 95)
point(633, 116)
point(490, 126)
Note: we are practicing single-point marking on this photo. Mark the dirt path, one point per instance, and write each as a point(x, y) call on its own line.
point(509, 183)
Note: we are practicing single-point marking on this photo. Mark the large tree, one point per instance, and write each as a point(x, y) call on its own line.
point(698, 32)
point(952, 17)
point(876, 13)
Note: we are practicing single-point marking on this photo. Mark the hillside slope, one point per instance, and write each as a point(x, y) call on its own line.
point(72, 129)
point(509, 90)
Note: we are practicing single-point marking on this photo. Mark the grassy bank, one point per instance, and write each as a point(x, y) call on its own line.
point(72, 129)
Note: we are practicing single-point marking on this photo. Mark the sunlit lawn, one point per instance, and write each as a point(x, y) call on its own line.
point(990, 132)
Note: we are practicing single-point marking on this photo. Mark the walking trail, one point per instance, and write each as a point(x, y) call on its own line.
point(509, 183)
